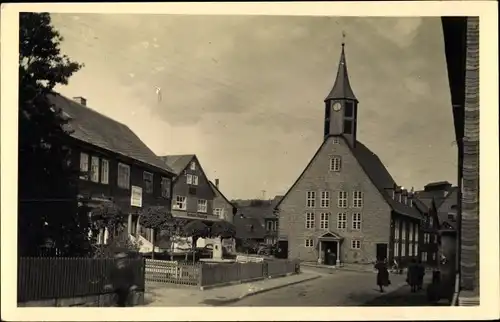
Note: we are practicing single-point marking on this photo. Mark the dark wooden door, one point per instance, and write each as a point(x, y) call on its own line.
point(381, 251)
point(282, 251)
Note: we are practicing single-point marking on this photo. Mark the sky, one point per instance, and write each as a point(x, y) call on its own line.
point(245, 93)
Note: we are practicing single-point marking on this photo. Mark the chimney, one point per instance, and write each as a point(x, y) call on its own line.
point(80, 100)
point(217, 183)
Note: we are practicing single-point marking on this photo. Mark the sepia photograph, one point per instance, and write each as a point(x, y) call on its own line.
point(246, 160)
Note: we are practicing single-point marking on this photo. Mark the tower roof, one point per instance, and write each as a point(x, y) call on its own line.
point(342, 88)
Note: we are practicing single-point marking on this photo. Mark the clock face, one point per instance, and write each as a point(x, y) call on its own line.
point(337, 107)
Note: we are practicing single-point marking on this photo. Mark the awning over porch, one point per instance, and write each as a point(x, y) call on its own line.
point(194, 215)
point(330, 236)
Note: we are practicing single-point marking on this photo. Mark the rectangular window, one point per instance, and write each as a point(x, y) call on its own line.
point(416, 248)
point(424, 257)
point(202, 205)
point(189, 179)
point(104, 171)
point(310, 199)
point(403, 248)
point(403, 230)
point(309, 243)
point(349, 109)
point(342, 220)
point(269, 226)
point(309, 220)
point(335, 164)
point(410, 202)
point(325, 199)
point(94, 169)
point(195, 180)
point(396, 248)
point(123, 176)
point(165, 187)
point(410, 232)
point(219, 212)
point(355, 244)
point(148, 181)
point(356, 221)
point(433, 256)
point(431, 221)
point(410, 249)
point(324, 222)
point(342, 199)
point(417, 236)
point(180, 202)
point(348, 126)
point(396, 229)
point(84, 166)
point(192, 191)
point(192, 165)
point(357, 199)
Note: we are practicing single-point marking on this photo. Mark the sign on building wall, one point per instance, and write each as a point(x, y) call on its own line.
point(136, 196)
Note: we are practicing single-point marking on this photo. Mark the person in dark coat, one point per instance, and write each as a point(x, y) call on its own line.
point(122, 279)
point(421, 274)
point(382, 275)
point(412, 277)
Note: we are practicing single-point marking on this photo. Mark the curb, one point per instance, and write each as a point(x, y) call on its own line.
point(233, 300)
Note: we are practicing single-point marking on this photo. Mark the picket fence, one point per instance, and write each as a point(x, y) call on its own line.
point(209, 274)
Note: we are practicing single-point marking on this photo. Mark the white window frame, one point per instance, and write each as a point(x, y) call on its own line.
point(192, 165)
point(218, 212)
point(342, 198)
point(180, 202)
point(403, 248)
point(342, 220)
point(355, 244)
point(202, 205)
point(166, 185)
point(309, 243)
point(104, 171)
point(310, 220)
point(357, 199)
point(325, 199)
point(189, 178)
point(335, 164)
point(123, 178)
point(324, 220)
point(310, 199)
point(84, 165)
point(356, 221)
point(151, 176)
point(403, 230)
point(195, 180)
point(396, 230)
point(94, 169)
point(396, 248)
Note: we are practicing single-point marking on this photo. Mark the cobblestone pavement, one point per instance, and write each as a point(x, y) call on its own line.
point(334, 288)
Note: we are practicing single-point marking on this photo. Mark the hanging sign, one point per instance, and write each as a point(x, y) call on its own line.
point(136, 196)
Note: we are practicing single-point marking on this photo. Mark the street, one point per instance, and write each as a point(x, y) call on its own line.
point(338, 288)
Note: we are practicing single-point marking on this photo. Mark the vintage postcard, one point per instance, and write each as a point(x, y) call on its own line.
point(251, 161)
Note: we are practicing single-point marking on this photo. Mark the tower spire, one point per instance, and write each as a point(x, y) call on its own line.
point(342, 88)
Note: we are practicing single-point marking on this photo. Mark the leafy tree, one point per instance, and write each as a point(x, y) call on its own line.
point(195, 229)
point(48, 207)
point(223, 229)
point(156, 218)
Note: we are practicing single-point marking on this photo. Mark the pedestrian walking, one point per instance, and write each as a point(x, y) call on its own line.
point(412, 277)
point(421, 274)
point(122, 280)
point(382, 275)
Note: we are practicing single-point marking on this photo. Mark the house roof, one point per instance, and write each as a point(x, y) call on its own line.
point(341, 88)
point(217, 191)
point(249, 228)
point(91, 127)
point(375, 170)
point(177, 162)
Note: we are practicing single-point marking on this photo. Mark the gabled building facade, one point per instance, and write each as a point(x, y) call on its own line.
point(345, 205)
point(115, 165)
point(192, 193)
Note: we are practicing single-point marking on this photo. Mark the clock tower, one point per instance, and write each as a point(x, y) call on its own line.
point(341, 106)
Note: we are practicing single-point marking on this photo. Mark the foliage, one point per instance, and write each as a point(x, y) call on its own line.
point(156, 217)
point(117, 242)
point(223, 229)
point(48, 197)
point(196, 229)
point(107, 215)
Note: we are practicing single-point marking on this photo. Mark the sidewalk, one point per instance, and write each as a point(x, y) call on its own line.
point(184, 296)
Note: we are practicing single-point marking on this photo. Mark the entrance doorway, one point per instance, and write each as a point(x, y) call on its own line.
point(381, 252)
point(282, 251)
point(329, 252)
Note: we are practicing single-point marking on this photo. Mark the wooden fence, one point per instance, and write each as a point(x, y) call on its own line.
point(208, 274)
point(42, 278)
